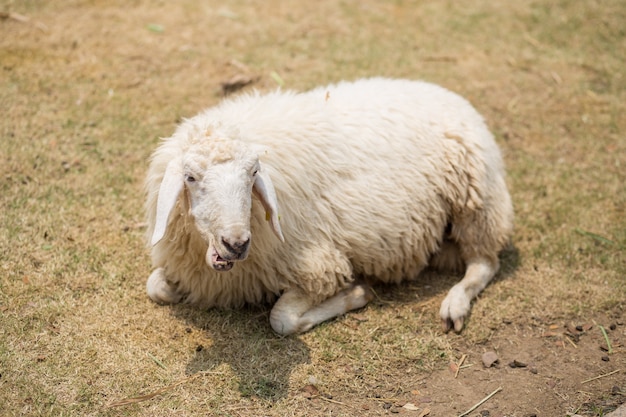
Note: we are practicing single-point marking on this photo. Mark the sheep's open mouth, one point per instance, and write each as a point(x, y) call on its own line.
point(218, 263)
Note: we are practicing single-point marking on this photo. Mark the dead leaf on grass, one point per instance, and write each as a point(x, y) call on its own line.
point(237, 82)
point(156, 28)
point(310, 391)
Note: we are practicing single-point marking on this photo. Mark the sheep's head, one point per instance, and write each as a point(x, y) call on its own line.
point(219, 177)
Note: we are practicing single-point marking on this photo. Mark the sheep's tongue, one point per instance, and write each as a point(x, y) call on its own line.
point(217, 262)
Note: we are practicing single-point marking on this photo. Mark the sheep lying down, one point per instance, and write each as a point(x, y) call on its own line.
point(304, 199)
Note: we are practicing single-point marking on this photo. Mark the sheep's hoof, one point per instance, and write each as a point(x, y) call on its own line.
point(159, 290)
point(454, 308)
point(447, 325)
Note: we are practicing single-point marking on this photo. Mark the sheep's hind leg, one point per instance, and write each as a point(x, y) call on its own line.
point(159, 290)
point(457, 304)
point(294, 311)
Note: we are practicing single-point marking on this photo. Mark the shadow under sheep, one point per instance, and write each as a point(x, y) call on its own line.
point(263, 360)
point(243, 339)
point(434, 283)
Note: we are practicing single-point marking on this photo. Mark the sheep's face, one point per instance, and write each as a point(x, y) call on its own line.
point(220, 195)
point(218, 178)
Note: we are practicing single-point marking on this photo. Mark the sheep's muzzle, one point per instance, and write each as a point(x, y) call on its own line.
point(216, 262)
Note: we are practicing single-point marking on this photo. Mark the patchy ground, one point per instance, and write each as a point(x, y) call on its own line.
point(88, 87)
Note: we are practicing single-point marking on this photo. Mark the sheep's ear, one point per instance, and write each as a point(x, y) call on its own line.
point(264, 190)
point(170, 188)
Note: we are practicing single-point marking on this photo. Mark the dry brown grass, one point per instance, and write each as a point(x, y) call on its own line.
point(87, 87)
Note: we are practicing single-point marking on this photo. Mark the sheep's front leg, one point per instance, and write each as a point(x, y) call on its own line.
point(159, 290)
point(294, 311)
point(456, 306)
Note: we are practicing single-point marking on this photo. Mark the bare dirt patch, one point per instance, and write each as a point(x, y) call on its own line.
point(88, 87)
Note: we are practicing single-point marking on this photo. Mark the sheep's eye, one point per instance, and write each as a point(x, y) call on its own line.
point(189, 178)
point(256, 171)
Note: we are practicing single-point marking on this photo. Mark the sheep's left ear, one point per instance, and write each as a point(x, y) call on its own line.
point(170, 188)
point(264, 190)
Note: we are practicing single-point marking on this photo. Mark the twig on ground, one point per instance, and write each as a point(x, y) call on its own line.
point(23, 19)
point(606, 338)
point(458, 366)
point(321, 397)
point(595, 236)
point(239, 65)
point(156, 360)
point(600, 376)
point(481, 402)
point(571, 341)
point(15, 16)
point(146, 397)
point(534, 42)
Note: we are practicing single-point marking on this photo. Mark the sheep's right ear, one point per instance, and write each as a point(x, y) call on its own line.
point(170, 188)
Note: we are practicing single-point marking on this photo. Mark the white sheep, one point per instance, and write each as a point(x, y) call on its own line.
point(359, 182)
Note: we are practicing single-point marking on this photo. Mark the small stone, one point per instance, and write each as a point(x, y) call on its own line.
point(199, 348)
point(489, 358)
point(387, 406)
point(485, 413)
point(605, 358)
point(616, 390)
point(579, 328)
point(613, 326)
point(517, 364)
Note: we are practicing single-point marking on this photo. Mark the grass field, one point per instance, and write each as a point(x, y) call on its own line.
point(88, 87)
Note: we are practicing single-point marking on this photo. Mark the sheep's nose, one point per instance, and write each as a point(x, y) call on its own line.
point(236, 245)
